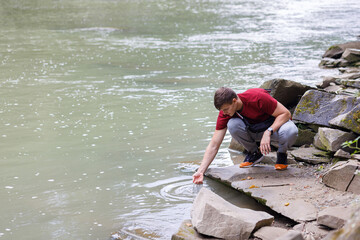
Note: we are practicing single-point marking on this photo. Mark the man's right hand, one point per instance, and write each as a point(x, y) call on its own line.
point(198, 178)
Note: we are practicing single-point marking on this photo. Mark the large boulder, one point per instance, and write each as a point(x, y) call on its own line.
point(329, 139)
point(336, 51)
point(348, 120)
point(318, 107)
point(334, 217)
point(341, 176)
point(286, 92)
point(213, 216)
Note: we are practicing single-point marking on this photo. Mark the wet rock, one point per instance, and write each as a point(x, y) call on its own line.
point(327, 81)
point(213, 216)
point(310, 155)
point(286, 92)
point(348, 120)
point(187, 232)
point(270, 233)
point(336, 51)
point(334, 217)
point(342, 154)
point(317, 107)
point(333, 63)
point(341, 176)
point(351, 54)
point(291, 235)
point(329, 139)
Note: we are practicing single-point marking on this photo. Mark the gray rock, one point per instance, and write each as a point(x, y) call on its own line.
point(286, 92)
point(351, 83)
point(351, 55)
point(213, 216)
point(310, 155)
point(326, 82)
point(329, 139)
point(354, 186)
point(305, 136)
point(334, 88)
point(317, 107)
point(337, 50)
point(333, 63)
point(187, 232)
point(342, 154)
point(350, 231)
point(291, 235)
point(334, 217)
point(341, 175)
point(311, 229)
point(348, 120)
point(270, 233)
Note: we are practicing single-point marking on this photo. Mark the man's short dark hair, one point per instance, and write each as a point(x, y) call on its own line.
point(223, 96)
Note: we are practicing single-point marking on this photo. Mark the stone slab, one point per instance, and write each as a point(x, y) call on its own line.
point(295, 193)
point(270, 233)
point(309, 155)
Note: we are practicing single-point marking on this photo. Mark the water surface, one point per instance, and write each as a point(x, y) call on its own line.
point(106, 106)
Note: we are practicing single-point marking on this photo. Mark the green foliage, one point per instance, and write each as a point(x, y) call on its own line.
point(354, 144)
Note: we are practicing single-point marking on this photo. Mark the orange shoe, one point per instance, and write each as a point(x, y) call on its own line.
point(251, 159)
point(280, 166)
point(246, 164)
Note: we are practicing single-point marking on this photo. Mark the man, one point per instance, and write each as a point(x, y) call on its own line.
point(236, 111)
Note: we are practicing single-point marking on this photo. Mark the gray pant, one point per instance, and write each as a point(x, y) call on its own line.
point(285, 136)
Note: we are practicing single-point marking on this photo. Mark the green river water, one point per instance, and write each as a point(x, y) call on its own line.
point(106, 105)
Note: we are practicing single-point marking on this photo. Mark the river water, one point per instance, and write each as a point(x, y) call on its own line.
point(106, 105)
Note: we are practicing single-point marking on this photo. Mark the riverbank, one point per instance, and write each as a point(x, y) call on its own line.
point(320, 190)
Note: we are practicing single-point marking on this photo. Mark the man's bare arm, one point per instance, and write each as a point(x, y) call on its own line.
point(209, 155)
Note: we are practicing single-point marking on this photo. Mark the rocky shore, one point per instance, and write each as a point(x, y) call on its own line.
point(320, 192)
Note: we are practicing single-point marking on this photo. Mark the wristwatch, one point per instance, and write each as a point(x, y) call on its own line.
point(270, 130)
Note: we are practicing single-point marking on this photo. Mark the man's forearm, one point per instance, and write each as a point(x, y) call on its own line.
point(209, 156)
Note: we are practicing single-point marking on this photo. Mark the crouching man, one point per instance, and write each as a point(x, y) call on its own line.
point(245, 115)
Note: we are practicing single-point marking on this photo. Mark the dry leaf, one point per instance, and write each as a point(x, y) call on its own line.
point(287, 204)
point(253, 186)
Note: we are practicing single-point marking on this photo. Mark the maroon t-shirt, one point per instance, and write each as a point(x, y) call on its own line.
point(258, 106)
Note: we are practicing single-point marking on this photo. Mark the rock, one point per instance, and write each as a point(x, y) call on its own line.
point(213, 216)
point(187, 232)
point(329, 139)
point(270, 233)
point(351, 230)
point(354, 186)
point(334, 217)
point(326, 82)
point(341, 175)
point(317, 107)
point(348, 120)
point(305, 136)
point(333, 63)
point(291, 235)
point(333, 88)
point(351, 83)
point(310, 155)
point(337, 50)
point(349, 70)
point(286, 92)
point(342, 154)
point(351, 55)
point(311, 229)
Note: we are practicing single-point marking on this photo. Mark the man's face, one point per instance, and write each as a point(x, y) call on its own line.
point(229, 109)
